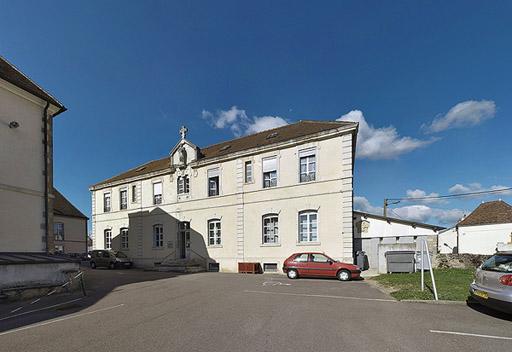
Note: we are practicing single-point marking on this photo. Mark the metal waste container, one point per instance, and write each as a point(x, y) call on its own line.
point(362, 260)
point(400, 261)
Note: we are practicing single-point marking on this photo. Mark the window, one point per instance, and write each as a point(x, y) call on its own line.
point(213, 182)
point(301, 258)
point(270, 267)
point(308, 226)
point(108, 239)
point(214, 232)
point(269, 172)
point(501, 263)
point(319, 258)
point(183, 184)
point(58, 231)
point(134, 193)
point(59, 249)
point(158, 236)
point(307, 164)
point(157, 193)
point(214, 267)
point(248, 171)
point(124, 238)
point(106, 202)
point(123, 199)
point(270, 229)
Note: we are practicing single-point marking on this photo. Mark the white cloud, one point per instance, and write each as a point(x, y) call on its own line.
point(477, 187)
point(419, 193)
point(419, 213)
point(381, 143)
point(264, 123)
point(363, 204)
point(239, 123)
point(466, 114)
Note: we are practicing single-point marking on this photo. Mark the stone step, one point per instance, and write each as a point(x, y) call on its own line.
point(181, 269)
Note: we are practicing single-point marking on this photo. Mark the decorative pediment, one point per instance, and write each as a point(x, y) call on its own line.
point(184, 152)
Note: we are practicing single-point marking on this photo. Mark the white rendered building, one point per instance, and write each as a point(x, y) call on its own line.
point(258, 198)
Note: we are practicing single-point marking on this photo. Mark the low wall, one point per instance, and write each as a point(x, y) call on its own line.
point(459, 261)
point(23, 275)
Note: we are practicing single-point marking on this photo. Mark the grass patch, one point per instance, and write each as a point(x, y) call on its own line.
point(452, 284)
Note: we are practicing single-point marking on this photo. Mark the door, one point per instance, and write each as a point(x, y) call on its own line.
point(183, 238)
point(301, 264)
point(321, 265)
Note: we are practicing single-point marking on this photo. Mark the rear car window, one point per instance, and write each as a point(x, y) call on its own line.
point(301, 258)
point(500, 262)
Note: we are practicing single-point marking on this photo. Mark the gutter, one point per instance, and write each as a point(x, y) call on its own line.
point(46, 178)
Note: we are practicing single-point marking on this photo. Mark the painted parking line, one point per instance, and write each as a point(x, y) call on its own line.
point(322, 296)
point(61, 319)
point(469, 334)
point(37, 310)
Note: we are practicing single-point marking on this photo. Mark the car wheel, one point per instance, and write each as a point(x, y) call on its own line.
point(292, 274)
point(343, 275)
point(112, 266)
point(93, 265)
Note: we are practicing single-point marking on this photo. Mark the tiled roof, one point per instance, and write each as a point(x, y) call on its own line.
point(14, 76)
point(265, 138)
point(495, 212)
point(63, 207)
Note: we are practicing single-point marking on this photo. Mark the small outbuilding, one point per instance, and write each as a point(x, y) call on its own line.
point(481, 232)
point(376, 235)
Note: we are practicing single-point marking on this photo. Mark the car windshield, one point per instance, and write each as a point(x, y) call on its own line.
point(500, 262)
point(120, 254)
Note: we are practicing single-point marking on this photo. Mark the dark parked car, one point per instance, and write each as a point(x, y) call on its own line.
point(109, 259)
point(492, 286)
point(313, 264)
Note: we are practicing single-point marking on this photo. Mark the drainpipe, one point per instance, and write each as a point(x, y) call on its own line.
point(46, 176)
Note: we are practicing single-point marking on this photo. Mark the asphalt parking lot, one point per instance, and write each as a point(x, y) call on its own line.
point(133, 310)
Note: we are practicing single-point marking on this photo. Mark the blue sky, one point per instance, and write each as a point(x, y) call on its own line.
point(132, 72)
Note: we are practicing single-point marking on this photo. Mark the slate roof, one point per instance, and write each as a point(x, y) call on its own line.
point(63, 207)
point(266, 138)
point(11, 74)
point(488, 213)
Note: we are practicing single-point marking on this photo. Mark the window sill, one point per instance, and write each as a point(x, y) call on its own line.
point(215, 246)
point(308, 243)
point(270, 245)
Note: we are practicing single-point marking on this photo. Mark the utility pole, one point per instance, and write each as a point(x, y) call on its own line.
point(385, 208)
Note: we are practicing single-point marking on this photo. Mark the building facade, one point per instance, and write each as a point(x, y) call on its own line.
point(258, 198)
point(69, 227)
point(26, 161)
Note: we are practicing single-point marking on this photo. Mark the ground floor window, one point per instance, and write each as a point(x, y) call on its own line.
point(124, 238)
point(108, 239)
point(214, 232)
point(308, 226)
point(270, 228)
point(270, 267)
point(158, 236)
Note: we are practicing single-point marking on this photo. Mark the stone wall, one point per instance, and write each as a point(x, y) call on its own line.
point(459, 261)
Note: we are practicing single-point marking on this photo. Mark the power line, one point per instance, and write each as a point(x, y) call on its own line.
point(452, 195)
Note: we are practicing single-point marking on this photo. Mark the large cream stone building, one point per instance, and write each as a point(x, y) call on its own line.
point(258, 198)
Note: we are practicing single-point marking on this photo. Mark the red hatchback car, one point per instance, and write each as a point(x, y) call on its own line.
point(314, 264)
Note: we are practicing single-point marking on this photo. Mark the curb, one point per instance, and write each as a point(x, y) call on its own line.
point(434, 302)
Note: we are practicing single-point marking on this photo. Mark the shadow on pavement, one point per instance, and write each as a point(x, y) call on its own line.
point(98, 284)
point(488, 311)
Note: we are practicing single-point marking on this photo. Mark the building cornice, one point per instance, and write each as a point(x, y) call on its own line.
point(52, 109)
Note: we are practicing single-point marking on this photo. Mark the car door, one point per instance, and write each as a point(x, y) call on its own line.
point(301, 263)
point(321, 265)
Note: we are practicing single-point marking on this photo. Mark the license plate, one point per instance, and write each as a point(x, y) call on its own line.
point(481, 294)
